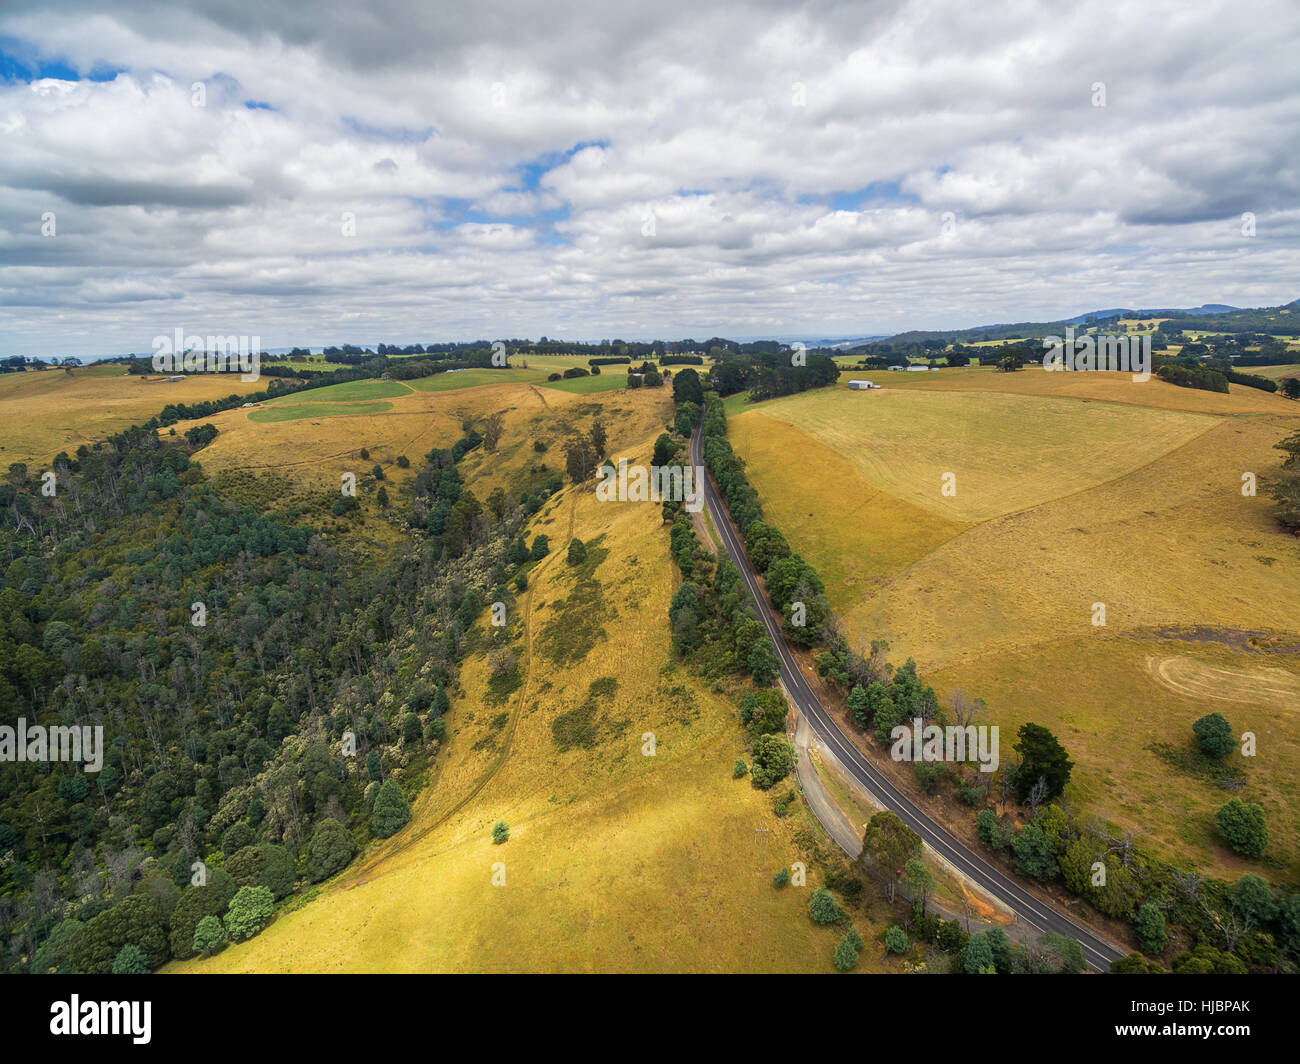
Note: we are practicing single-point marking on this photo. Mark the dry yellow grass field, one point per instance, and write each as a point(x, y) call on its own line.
point(617, 861)
point(1007, 452)
point(1003, 608)
point(52, 411)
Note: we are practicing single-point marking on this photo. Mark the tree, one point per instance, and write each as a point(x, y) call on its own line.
point(195, 903)
point(1214, 736)
point(391, 811)
point(889, 843)
point(580, 460)
point(846, 955)
point(764, 665)
point(577, 552)
point(773, 760)
point(598, 438)
point(210, 936)
point(1042, 757)
point(250, 910)
point(493, 426)
point(919, 881)
point(1150, 928)
point(237, 836)
point(782, 878)
point(541, 548)
point(739, 769)
point(130, 960)
point(1243, 827)
point(896, 940)
point(330, 850)
point(500, 832)
point(823, 907)
point(977, 958)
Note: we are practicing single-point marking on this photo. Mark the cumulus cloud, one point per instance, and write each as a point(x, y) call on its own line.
point(409, 172)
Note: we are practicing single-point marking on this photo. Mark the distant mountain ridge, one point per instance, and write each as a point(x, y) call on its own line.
point(1214, 317)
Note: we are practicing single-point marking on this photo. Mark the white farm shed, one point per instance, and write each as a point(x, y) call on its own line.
point(862, 385)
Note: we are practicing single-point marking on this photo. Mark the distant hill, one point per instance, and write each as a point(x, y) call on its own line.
point(1214, 317)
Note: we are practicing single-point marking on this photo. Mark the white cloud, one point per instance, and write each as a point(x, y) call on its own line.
point(668, 169)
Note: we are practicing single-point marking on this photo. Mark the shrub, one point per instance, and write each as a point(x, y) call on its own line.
point(782, 878)
point(1242, 827)
point(329, 851)
point(823, 907)
point(846, 955)
point(391, 811)
point(195, 903)
point(210, 937)
point(500, 832)
point(1151, 929)
point(896, 940)
point(739, 769)
point(1214, 736)
point(773, 759)
point(541, 548)
point(250, 910)
point(403, 462)
point(577, 552)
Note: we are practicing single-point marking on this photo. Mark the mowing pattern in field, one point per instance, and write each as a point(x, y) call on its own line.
point(1139, 509)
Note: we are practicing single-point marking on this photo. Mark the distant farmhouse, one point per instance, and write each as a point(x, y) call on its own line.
point(862, 386)
point(918, 369)
point(897, 368)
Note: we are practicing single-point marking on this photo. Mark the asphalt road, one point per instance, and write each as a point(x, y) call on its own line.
point(1029, 910)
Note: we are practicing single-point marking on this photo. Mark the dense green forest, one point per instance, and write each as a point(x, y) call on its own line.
point(269, 701)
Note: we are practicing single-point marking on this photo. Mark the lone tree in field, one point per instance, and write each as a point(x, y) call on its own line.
point(890, 844)
point(1243, 828)
point(577, 552)
point(1042, 757)
point(1214, 735)
point(493, 426)
point(598, 438)
point(500, 832)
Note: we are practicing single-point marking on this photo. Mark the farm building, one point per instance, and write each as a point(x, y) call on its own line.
point(896, 368)
point(862, 385)
point(918, 369)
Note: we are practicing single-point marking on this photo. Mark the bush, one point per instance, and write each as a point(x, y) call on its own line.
point(541, 548)
point(1214, 736)
point(823, 907)
point(1242, 827)
point(130, 960)
point(500, 832)
point(739, 769)
point(403, 462)
point(329, 851)
point(782, 878)
point(195, 903)
point(577, 552)
point(846, 955)
point(1150, 926)
point(951, 937)
point(773, 759)
point(250, 910)
point(896, 940)
point(391, 811)
point(210, 937)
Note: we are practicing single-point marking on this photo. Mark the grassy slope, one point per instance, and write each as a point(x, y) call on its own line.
point(617, 861)
point(1002, 609)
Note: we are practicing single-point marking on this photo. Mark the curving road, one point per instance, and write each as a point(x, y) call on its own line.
point(1029, 910)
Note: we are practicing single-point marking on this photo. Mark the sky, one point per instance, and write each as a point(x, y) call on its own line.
point(402, 172)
